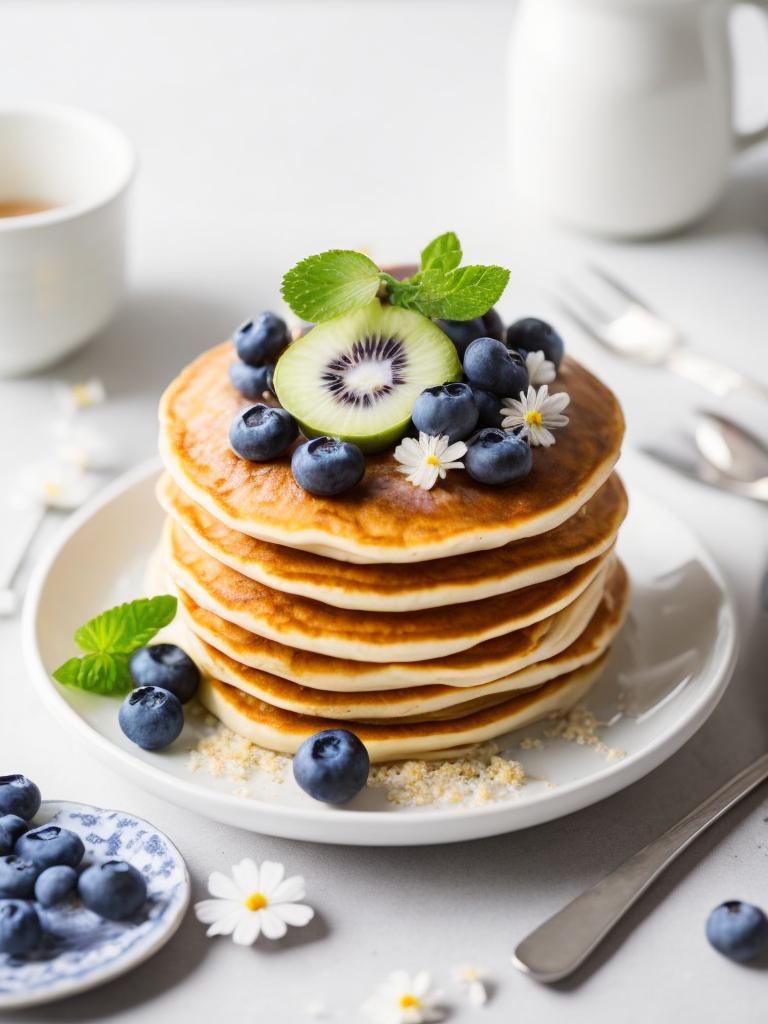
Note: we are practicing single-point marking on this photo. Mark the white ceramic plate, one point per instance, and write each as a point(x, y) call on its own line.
point(79, 949)
point(670, 665)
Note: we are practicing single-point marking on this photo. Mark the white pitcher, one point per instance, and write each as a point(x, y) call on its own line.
point(620, 111)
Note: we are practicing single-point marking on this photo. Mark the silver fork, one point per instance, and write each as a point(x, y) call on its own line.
point(628, 327)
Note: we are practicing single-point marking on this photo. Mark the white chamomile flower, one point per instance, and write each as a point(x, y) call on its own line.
point(72, 397)
point(54, 485)
point(472, 982)
point(428, 458)
point(535, 413)
point(403, 999)
point(255, 900)
point(540, 369)
point(83, 447)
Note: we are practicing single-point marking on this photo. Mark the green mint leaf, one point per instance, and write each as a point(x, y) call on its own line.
point(461, 294)
point(444, 253)
point(127, 627)
point(331, 283)
point(105, 674)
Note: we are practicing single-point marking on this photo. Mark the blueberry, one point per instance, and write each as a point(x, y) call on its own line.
point(737, 930)
point(11, 827)
point(494, 325)
point(49, 845)
point(20, 928)
point(19, 795)
point(490, 365)
point(262, 433)
point(259, 341)
point(17, 877)
point(488, 407)
point(536, 336)
point(151, 717)
point(497, 457)
point(251, 381)
point(327, 465)
point(165, 665)
point(55, 884)
point(446, 409)
point(462, 332)
point(115, 889)
point(331, 766)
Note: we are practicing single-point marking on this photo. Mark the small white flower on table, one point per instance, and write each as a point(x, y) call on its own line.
point(471, 981)
point(540, 369)
point(403, 999)
point(536, 413)
point(256, 900)
point(428, 458)
point(71, 397)
point(51, 484)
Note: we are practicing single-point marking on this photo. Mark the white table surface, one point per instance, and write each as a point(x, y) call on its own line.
point(268, 131)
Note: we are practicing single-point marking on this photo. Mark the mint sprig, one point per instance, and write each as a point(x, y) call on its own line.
point(109, 639)
point(338, 281)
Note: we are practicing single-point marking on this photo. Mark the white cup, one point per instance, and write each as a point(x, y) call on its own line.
point(620, 111)
point(62, 270)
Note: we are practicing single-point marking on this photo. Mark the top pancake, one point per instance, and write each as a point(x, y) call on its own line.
point(384, 518)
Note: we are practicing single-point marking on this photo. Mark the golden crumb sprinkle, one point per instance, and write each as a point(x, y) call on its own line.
point(225, 755)
point(579, 726)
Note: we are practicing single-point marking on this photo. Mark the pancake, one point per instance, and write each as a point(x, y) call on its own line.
point(413, 703)
point(362, 636)
point(489, 660)
point(285, 731)
point(384, 518)
point(402, 587)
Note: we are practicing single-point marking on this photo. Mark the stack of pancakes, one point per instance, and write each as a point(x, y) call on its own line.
point(424, 621)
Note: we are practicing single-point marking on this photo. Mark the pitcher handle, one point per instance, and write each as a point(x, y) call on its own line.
point(744, 140)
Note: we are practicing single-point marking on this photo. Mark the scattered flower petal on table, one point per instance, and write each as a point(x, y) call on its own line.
point(54, 484)
point(534, 413)
point(471, 981)
point(256, 900)
point(403, 999)
point(72, 397)
point(83, 447)
point(428, 458)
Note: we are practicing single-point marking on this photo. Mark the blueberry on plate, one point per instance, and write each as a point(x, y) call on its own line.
point(737, 930)
point(534, 335)
point(114, 889)
point(332, 766)
point(327, 465)
point(446, 409)
point(151, 717)
point(462, 332)
point(11, 827)
point(488, 408)
point(49, 845)
point(490, 365)
point(496, 457)
point(251, 381)
point(262, 433)
point(55, 884)
point(19, 795)
point(167, 666)
point(20, 928)
point(259, 341)
point(17, 878)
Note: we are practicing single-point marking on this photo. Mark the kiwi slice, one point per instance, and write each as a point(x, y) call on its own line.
point(357, 376)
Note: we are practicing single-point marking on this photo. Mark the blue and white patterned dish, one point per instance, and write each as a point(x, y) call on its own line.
point(80, 949)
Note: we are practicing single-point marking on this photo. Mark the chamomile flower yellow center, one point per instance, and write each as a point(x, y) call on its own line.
point(432, 460)
point(256, 901)
point(409, 1002)
point(533, 416)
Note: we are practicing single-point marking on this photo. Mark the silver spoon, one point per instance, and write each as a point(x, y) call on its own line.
point(731, 449)
point(9, 599)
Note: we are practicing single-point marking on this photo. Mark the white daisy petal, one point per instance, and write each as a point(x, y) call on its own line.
point(226, 925)
point(430, 477)
point(296, 914)
point(272, 925)
point(476, 993)
point(209, 911)
point(453, 452)
point(248, 928)
point(270, 876)
point(452, 465)
point(223, 888)
point(289, 890)
point(421, 983)
point(399, 981)
point(246, 876)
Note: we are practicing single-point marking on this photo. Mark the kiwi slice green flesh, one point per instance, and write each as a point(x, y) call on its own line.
point(357, 376)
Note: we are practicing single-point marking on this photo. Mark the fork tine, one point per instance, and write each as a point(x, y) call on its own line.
point(582, 312)
point(612, 282)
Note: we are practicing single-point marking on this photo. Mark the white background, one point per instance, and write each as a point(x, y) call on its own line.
point(268, 131)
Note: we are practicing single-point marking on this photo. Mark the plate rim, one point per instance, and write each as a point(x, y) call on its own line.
point(274, 819)
point(134, 956)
